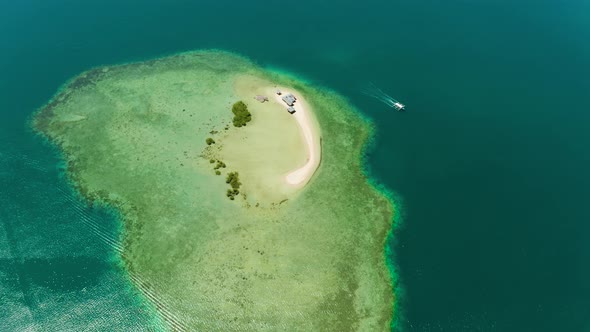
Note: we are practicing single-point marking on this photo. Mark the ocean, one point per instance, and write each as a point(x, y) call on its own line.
point(488, 164)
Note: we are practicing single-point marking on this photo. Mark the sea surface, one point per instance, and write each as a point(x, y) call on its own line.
point(490, 163)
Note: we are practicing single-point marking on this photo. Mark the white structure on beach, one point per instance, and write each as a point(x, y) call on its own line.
point(291, 109)
point(289, 99)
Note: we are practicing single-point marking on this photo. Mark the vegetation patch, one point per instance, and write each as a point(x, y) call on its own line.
point(233, 179)
point(241, 114)
point(220, 164)
point(210, 141)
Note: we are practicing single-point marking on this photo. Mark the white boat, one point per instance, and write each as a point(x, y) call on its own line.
point(399, 106)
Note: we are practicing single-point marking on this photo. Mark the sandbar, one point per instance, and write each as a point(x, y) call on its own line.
point(310, 134)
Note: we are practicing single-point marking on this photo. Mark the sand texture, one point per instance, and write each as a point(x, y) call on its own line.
point(311, 136)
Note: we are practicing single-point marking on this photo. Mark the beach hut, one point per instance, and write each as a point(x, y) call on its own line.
point(289, 99)
point(291, 109)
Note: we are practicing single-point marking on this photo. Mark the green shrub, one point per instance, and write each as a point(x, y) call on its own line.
point(210, 141)
point(220, 164)
point(233, 179)
point(217, 173)
point(241, 114)
point(232, 193)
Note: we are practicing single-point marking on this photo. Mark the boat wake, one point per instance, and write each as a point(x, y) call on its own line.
point(374, 92)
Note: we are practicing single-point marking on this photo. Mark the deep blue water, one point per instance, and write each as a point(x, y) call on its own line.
point(490, 161)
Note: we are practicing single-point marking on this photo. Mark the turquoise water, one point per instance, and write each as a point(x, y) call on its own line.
point(56, 272)
point(490, 161)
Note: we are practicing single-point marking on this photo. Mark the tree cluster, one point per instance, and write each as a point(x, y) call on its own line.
point(220, 164)
point(241, 114)
point(233, 179)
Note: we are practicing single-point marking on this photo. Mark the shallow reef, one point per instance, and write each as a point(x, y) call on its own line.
point(134, 137)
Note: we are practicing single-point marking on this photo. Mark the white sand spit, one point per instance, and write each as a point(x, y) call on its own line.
point(311, 136)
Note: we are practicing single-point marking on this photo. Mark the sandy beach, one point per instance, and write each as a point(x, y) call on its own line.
point(300, 176)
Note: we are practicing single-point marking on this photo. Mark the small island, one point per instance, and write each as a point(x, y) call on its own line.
point(240, 211)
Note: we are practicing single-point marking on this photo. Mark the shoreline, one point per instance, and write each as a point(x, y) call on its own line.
point(311, 136)
point(396, 219)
